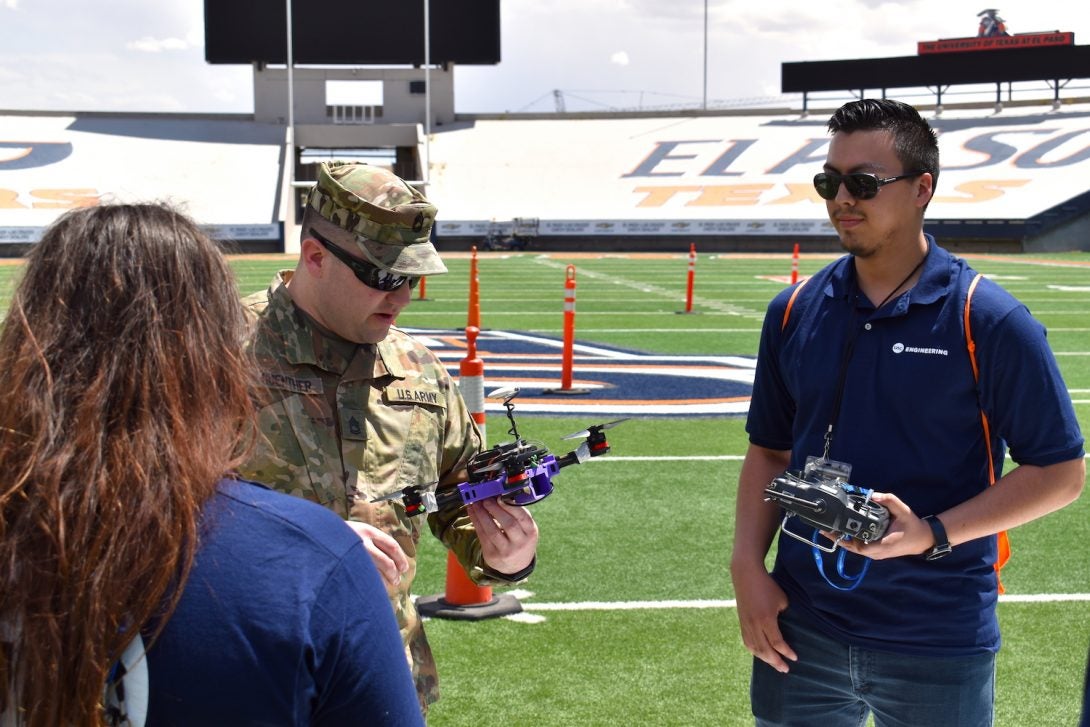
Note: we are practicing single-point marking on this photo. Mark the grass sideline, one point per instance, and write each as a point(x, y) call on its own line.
point(658, 529)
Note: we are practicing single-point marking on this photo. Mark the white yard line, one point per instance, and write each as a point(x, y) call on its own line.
point(731, 603)
point(671, 293)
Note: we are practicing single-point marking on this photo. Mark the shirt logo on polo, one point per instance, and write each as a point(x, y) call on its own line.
point(901, 348)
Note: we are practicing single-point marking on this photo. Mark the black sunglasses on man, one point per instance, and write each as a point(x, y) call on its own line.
point(860, 185)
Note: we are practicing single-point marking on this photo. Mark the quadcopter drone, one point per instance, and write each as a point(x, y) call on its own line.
point(520, 472)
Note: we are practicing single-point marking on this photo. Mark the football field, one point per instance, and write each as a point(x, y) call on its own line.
point(629, 618)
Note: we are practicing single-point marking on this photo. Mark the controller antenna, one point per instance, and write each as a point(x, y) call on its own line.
point(508, 393)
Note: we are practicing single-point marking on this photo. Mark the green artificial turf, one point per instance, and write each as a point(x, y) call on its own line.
point(658, 527)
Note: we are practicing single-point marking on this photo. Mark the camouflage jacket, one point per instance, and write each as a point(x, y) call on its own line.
point(342, 431)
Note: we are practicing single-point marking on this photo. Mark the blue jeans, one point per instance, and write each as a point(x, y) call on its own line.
point(834, 684)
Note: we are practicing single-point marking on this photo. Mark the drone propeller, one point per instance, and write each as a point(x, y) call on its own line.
point(400, 494)
point(504, 392)
point(596, 428)
point(490, 467)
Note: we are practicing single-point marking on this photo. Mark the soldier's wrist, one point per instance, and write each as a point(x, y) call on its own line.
point(510, 577)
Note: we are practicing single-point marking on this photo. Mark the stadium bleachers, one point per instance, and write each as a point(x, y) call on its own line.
point(225, 171)
point(1019, 179)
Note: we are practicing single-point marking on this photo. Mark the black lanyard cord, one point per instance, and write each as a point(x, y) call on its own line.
point(849, 347)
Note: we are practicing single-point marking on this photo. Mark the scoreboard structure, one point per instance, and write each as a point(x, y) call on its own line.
point(1051, 57)
point(352, 32)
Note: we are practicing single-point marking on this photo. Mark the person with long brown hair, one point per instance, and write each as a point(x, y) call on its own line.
point(140, 583)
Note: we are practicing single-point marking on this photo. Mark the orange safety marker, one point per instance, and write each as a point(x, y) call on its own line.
point(692, 279)
point(795, 265)
point(569, 327)
point(421, 289)
point(569, 337)
point(474, 291)
point(471, 380)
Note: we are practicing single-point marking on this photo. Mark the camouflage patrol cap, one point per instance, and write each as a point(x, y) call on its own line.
point(391, 221)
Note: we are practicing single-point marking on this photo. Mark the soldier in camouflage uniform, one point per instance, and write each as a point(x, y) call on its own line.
point(354, 408)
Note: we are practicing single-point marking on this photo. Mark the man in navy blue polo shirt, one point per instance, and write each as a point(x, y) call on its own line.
point(1085, 721)
point(869, 366)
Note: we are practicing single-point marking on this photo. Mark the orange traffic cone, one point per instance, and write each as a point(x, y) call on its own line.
point(464, 600)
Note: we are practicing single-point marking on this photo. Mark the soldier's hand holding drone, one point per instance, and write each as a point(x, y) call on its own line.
point(508, 534)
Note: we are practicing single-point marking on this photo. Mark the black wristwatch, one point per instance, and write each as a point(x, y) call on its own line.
point(510, 577)
point(942, 543)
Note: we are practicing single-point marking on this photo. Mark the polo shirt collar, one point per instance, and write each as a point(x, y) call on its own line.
point(934, 282)
point(935, 278)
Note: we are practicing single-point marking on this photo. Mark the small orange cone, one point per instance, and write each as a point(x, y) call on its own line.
point(461, 591)
point(464, 600)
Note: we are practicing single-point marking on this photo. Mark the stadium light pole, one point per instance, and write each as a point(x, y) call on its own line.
point(705, 106)
point(291, 94)
point(289, 215)
point(427, 95)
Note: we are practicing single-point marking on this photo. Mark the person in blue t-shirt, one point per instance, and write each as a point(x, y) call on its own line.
point(1085, 721)
point(867, 366)
point(140, 582)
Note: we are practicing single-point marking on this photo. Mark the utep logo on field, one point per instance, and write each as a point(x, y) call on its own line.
point(30, 154)
point(619, 382)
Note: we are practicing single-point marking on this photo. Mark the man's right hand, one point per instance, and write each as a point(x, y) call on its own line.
point(385, 552)
point(760, 599)
point(760, 602)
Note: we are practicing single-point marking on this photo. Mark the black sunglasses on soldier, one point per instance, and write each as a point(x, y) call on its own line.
point(370, 275)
